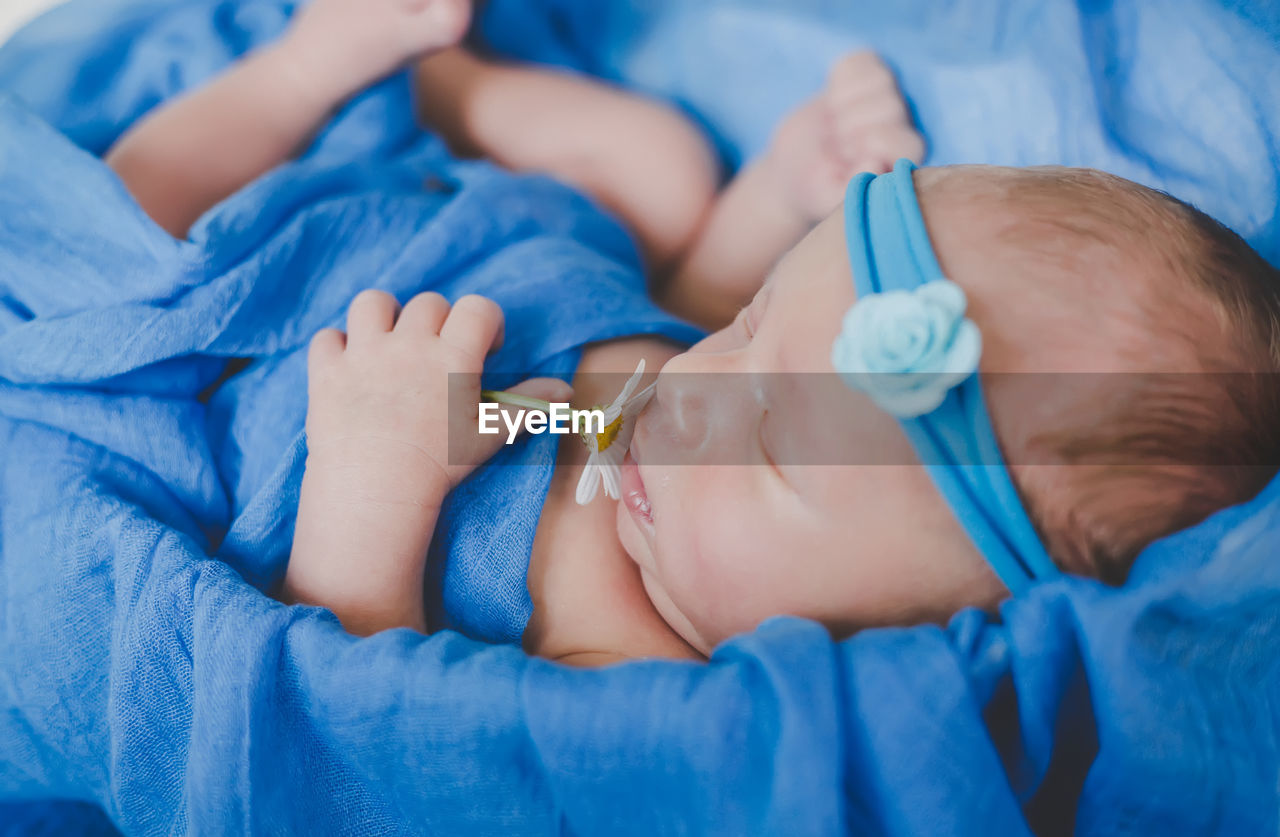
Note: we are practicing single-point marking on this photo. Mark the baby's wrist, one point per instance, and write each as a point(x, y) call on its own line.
point(381, 472)
point(365, 517)
point(318, 73)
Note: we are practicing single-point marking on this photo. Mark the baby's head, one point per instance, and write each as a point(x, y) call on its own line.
point(1174, 321)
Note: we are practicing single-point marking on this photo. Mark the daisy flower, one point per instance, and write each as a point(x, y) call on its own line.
point(608, 447)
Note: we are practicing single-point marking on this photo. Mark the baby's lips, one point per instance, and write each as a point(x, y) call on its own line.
point(634, 496)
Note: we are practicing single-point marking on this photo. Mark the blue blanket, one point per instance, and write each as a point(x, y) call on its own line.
point(1180, 95)
point(143, 670)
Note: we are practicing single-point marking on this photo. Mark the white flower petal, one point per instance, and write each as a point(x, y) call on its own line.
point(589, 483)
point(605, 466)
point(640, 400)
point(611, 476)
point(630, 386)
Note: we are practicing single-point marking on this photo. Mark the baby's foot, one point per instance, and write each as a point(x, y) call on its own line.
point(352, 43)
point(860, 122)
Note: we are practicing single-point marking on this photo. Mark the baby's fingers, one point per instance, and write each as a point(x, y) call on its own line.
point(474, 326)
point(327, 345)
point(424, 314)
point(372, 313)
point(325, 350)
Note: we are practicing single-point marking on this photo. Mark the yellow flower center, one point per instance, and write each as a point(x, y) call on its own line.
point(605, 437)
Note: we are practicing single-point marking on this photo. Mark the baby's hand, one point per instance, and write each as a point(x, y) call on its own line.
point(379, 459)
point(860, 122)
point(380, 396)
point(350, 43)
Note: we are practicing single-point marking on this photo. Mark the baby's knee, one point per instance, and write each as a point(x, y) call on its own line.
point(686, 183)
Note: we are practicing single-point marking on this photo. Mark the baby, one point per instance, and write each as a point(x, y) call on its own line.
point(1047, 271)
point(1175, 320)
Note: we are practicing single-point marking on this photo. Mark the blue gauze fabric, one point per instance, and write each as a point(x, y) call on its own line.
point(353, 213)
point(889, 250)
point(144, 672)
point(1177, 95)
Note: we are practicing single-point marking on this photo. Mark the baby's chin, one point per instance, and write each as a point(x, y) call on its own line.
point(672, 615)
point(637, 548)
point(631, 538)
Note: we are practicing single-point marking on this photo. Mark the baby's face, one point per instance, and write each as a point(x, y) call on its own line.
point(750, 524)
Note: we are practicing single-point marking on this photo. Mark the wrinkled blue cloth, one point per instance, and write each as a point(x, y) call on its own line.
point(373, 204)
point(1180, 95)
point(143, 670)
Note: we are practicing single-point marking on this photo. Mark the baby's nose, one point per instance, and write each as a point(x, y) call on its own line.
point(697, 412)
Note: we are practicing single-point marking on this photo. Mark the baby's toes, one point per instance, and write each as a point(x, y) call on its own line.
point(868, 114)
point(858, 75)
point(850, 120)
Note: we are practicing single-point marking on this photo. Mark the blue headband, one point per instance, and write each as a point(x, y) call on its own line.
point(907, 344)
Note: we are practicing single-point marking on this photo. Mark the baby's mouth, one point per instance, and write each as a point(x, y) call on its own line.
point(633, 493)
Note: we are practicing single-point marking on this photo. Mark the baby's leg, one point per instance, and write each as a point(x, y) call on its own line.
point(859, 122)
point(198, 149)
point(639, 158)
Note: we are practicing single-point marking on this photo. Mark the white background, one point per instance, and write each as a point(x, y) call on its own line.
point(14, 13)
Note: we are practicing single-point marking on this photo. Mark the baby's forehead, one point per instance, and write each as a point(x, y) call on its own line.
point(805, 297)
point(1055, 283)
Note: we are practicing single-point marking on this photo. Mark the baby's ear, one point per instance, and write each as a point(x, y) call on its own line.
point(1049, 491)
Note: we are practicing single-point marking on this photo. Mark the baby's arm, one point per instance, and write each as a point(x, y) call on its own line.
point(860, 122)
point(193, 152)
point(385, 401)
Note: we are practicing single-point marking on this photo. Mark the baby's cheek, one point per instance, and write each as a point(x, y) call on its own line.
point(675, 582)
point(716, 581)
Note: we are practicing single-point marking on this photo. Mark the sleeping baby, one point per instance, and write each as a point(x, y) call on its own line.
point(1035, 371)
point(931, 296)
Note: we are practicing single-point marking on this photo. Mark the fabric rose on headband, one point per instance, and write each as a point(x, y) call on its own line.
point(908, 349)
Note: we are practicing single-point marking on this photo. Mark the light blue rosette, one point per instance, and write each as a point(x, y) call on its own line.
point(908, 349)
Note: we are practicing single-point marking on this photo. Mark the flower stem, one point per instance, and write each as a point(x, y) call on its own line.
point(515, 399)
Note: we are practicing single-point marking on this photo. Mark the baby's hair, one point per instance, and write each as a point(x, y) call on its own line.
point(1158, 452)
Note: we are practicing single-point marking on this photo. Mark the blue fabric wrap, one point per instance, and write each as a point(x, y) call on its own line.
point(373, 204)
point(889, 250)
point(144, 672)
point(1177, 95)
